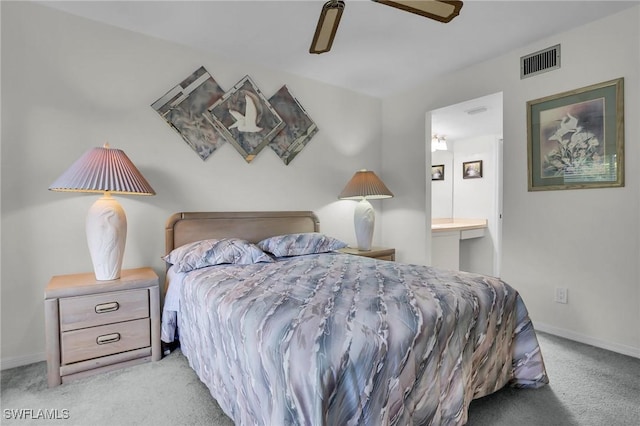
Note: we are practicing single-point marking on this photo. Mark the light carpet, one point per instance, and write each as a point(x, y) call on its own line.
point(589, 387)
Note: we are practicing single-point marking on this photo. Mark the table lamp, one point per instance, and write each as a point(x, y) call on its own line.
point(364, 185)
point(108, 171)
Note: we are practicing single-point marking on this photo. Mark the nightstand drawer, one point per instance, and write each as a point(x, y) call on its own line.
point(94, 342)
point(388, 257)
point(88, 311)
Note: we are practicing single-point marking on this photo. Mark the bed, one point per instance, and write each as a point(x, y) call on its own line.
point(311, 336)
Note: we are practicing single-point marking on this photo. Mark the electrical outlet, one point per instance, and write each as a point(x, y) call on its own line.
point(561, 295)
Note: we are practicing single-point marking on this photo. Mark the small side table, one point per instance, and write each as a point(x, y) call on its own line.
point(97, 326)
point(381, 253)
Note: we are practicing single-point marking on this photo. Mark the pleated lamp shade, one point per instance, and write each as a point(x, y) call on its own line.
point(103, 170)
point(108, 171)
point(364, 185)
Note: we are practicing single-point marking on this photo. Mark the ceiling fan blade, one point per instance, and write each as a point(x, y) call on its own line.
point(440, 10)
point(327, 26)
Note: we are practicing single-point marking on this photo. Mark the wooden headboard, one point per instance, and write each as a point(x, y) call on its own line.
point(183, 228)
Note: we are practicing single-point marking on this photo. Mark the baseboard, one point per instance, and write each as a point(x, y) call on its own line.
point(603, 344)
point(19, 361)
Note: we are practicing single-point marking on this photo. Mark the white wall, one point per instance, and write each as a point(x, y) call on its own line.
point(476, 199)
point(586, 240)
point(442, 190)
point(70, 84)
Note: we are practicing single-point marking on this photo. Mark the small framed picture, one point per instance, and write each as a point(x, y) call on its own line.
point(472, 169)
point(437, 172)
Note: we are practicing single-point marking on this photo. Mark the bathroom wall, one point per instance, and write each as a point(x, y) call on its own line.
point(442, 190)
point(477, 198)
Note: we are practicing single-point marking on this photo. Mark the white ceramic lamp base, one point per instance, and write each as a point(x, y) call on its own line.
point(106, 236)
point(364, 219)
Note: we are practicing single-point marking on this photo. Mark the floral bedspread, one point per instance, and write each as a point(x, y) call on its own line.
point(335, 339)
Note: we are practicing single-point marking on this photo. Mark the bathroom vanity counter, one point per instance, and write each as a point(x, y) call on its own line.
point(450, 224)
point(447, 234)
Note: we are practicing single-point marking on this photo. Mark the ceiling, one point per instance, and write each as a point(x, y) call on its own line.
point(378, 50)
point(475, 117)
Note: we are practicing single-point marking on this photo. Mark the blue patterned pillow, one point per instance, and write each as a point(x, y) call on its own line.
point(300, 244)
point(215, 252)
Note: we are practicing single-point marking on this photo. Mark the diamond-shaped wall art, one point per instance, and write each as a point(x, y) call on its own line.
point(206, 117)
point(184, 108)
point(246, 119)
point(299, 127)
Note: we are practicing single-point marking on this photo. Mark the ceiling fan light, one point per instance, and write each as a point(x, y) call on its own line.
point(440, 10)
point(327, 26)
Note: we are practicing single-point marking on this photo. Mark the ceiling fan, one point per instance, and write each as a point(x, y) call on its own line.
point(440, 10)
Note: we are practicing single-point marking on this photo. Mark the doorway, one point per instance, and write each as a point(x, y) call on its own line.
point(472, 132)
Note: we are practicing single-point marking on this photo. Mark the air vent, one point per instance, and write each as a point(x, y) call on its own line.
point(539, 62)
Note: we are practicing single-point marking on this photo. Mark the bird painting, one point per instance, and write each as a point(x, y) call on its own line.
point(245, 119)
point(568, 124)
point(247, 122)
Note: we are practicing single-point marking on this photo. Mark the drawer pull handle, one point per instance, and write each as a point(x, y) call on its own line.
point(108, 338)
point(107, 307)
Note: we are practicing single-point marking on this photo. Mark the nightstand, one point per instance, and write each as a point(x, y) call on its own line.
point(381, 253)
point(97, 326)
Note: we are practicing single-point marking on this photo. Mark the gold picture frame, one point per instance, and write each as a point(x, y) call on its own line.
point(437, 172)
point(575, 139)
point(472, 169)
